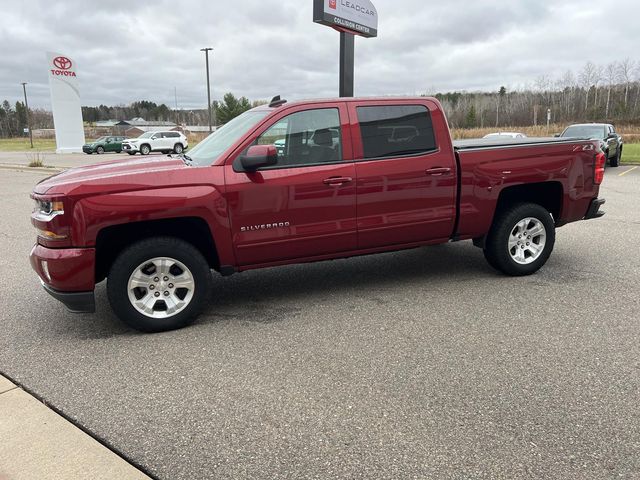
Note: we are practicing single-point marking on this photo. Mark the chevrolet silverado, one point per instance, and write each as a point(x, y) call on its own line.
point(380, 174)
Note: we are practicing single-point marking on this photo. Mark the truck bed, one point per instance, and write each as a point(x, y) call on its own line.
point(488, 167)
point(477, 143)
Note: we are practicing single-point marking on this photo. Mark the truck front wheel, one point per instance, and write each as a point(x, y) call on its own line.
point(159, 284)
point(520, 240)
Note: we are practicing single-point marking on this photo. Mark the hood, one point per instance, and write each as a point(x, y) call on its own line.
point(119, 175)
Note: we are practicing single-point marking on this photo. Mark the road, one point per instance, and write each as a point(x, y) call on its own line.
point(417, 364)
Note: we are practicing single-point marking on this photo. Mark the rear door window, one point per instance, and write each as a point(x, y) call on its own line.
point(395, 130)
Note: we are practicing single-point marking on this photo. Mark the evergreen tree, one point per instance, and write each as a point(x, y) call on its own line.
point(231, 107)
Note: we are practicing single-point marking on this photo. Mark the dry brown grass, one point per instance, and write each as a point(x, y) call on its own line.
point(631, 133)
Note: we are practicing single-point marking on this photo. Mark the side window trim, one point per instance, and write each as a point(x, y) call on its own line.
point(422, 153)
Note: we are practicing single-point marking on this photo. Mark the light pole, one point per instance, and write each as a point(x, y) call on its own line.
point(206, 54)
point(26, 105)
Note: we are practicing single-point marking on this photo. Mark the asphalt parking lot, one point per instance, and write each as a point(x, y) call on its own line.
point(417, 364)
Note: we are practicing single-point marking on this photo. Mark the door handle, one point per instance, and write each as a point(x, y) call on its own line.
point(437, 171)
point(336, 181)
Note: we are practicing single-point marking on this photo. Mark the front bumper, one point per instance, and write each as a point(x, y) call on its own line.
point(594, 209)
point(67, 274)
point(76, 302)
point(86, 149)
point(126, 147)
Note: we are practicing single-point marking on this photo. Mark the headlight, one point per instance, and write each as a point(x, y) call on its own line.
point(45, 210)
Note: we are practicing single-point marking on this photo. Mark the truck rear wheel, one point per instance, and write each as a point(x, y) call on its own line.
point(159, 284)
point(521, 239)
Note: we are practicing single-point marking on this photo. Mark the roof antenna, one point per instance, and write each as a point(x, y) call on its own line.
point(276, 101)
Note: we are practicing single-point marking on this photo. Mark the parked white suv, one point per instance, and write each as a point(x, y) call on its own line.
point(165, 142)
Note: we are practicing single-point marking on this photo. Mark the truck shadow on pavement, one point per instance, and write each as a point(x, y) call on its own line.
point(274, 294)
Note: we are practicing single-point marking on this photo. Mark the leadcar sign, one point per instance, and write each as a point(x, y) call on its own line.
point(356, 16)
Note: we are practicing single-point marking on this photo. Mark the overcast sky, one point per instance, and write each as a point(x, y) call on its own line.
point(132, 50)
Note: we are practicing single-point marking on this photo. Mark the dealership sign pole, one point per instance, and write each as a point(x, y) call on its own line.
point(349, 17)
point(65, 103)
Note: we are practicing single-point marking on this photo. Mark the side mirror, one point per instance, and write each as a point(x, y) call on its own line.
point(612, 135)
point(556, 134)
point(259, 156)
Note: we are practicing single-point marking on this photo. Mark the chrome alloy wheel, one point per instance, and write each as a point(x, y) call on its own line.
point(527, 240)
point(161, 287)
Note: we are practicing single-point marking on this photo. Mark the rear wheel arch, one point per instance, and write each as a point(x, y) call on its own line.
point(546, 194)
point(112, 240)
point(549, 195)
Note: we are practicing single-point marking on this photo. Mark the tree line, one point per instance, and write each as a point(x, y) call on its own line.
point(13, 119)
point(596, 93)
point(222, 111)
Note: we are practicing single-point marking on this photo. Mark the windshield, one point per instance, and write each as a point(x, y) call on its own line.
point(207, 151)
point(147, 135)
point(585, 131)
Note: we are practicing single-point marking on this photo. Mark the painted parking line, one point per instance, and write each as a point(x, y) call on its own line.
point(627, 171)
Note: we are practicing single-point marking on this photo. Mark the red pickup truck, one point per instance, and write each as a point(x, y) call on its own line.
point(300, 182)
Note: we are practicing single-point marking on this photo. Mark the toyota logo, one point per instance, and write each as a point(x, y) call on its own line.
point(63, 63)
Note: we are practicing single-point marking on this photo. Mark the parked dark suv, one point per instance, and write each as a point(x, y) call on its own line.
point(610, 141)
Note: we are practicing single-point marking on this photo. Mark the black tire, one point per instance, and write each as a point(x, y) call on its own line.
point(178, 148)
point(135, 255)
point(100, 150)
point(131, 153)
point(118, 151)
point(615, 162)
point(145, 149)
point(496, 249)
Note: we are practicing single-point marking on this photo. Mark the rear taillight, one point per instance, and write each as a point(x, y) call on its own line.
point(598, 173)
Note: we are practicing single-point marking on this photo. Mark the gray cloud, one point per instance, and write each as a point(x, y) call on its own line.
point(128, 51)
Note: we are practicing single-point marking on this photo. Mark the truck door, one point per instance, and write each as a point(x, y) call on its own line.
point(406, 174)
point(305, 205)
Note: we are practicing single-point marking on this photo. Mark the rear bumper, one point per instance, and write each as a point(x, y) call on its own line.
point(76, 302)
point(594, 209)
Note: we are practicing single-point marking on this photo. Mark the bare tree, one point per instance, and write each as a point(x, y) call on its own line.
point(637, 80)
point(625, 71)
point(569, 84)
point(598, 75)
point(586, 79)
point(611, 72)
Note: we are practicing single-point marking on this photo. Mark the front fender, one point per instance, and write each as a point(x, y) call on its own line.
point(94, 213)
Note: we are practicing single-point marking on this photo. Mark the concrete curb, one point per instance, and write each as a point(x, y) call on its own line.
point(38, 442)
point(25, 168)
